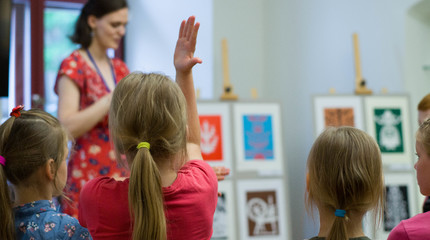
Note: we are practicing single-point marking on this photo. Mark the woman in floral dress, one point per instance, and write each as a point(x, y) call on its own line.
point(84, 86)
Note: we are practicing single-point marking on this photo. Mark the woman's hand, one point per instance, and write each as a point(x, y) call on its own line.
point(221, 172)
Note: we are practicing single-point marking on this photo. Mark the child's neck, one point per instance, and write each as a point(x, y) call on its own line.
point(354, 226)
point(167, 173)
point(25, 195)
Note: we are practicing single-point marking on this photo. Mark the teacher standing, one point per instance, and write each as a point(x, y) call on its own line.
point(85, 82)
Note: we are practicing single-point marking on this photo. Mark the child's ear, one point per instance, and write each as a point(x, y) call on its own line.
point(50, 169)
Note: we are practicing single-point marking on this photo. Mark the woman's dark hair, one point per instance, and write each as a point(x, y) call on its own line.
point(98, 8)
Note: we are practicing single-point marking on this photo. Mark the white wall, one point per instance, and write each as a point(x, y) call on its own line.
point(417, 53)
point(292, 49)
point(315, 52)
point(152, 33)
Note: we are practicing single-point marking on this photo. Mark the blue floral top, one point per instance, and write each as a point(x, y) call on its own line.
point(40, 220)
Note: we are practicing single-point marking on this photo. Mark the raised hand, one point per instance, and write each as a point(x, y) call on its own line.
point(184, 59)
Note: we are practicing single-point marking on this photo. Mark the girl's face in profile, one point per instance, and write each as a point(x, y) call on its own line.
point(422, 166)
point(110, 28)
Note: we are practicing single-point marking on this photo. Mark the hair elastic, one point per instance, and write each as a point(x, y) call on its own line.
point(340, 213)
point(2, 161)
point(143, 144)
point(16, 111)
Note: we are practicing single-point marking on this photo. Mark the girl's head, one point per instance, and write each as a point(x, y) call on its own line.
point(29, 142)
point(148, 108)
point(422, 166)
point(345, 173)
point(102, 21)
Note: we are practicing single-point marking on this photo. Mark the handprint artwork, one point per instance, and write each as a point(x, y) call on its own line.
point(211, 137)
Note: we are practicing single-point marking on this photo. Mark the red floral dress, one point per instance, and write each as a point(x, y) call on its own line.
point(93, 155)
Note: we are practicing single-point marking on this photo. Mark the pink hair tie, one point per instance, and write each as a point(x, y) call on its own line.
point(2, 161)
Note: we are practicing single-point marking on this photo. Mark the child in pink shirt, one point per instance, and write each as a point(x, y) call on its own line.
point(418, 227)
point(154, 125)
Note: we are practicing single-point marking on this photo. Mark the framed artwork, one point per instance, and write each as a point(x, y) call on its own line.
point(387, 120)
point(337, 111)
point(215, 133)
point(262, 209)
point(400, 201)
point(224, 217)
point(257, 128)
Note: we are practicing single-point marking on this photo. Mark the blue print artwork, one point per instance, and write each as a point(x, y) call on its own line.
point(258, 137)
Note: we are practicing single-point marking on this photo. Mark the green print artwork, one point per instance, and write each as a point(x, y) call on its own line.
point(388, 127)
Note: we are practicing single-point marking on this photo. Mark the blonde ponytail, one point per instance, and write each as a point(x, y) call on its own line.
point(146, 198)
point(338, 230)
point(7, 230)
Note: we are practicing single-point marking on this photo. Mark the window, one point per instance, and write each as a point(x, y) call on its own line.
point(59, 21)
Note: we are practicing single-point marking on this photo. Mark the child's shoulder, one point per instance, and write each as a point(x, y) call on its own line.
point(192, 164)
point(198, 171)
point(40, 219)
point(104, 182)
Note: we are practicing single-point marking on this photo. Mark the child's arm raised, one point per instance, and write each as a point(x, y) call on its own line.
point(184, 61)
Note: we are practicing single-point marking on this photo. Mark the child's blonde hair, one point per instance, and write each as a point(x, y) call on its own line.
point(148, 108)
point(27, 142)
point(345, 172)
point(423, 135)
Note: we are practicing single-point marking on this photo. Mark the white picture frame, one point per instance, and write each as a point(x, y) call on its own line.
point(388, 122)
point(214, 115)
point(224, 224)
point(257, 130)
point(400, 201)
point(338, 110)
point(262, 209)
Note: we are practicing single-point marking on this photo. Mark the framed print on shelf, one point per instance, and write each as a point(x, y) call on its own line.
point(400, 201)
point(215, 133)
point(224, 218)
point(262, 209)
point(257, 128)
point(337, 111)
point(387, 120)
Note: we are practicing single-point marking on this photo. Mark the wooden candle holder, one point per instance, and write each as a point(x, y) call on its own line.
point(227, 86)
point(360, 82)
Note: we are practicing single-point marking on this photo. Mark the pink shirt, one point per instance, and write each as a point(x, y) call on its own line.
point(415, 228)
point(190, 205)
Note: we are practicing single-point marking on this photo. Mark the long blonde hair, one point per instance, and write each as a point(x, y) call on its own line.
point(345, 172)
point(27, 143)
point(148, 108)
point(423, 135)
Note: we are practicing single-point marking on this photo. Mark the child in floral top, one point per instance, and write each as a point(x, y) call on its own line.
point(33, 149)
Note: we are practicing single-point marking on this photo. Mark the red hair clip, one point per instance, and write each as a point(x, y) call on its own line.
point(16, 111)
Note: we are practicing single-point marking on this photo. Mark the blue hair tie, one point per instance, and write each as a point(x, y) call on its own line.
point(340, 213)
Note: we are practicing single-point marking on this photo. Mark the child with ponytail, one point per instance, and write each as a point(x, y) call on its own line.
point(33, 151)
point(154, 126)
point(344, 181)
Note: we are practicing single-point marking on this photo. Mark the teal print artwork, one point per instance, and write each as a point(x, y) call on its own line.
point(389, 132)
point(258, 137)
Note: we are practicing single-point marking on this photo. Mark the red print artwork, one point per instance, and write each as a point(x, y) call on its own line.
point(211, 134)
point(337, 117)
